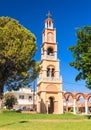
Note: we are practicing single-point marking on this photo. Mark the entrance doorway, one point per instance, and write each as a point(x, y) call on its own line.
point(51, 105)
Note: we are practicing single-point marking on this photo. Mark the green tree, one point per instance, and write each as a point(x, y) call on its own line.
point(82, 55)
point(9, 100)
point(17, 49)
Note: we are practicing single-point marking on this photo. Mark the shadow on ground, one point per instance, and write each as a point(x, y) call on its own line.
point(12, 123)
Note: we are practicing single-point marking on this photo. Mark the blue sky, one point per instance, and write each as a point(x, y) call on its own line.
point(67, 16)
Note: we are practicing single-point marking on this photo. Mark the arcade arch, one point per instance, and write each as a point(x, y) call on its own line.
point(80, 102)
point(88, 98)
point(68, 101)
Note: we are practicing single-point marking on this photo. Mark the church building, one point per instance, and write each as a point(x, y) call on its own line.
point(49, 85)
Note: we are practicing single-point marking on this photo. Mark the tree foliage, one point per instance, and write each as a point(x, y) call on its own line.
point(9, 100)
point(82, 55)
point(17, 49)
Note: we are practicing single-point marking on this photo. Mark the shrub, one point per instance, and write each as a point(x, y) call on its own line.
point(9, 100)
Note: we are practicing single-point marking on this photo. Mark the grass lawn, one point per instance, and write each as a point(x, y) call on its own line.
point(19, 121)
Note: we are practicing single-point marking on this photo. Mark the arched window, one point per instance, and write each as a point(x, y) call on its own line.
point(50, 71)
point(50, 51)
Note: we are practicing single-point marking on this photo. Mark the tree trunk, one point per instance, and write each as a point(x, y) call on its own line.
point(1, 93)
point(1, 90)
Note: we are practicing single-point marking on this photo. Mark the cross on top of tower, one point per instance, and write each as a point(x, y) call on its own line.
point(49, 21)
point(49, 15)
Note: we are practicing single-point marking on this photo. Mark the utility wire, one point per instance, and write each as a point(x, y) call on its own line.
point(73, 87)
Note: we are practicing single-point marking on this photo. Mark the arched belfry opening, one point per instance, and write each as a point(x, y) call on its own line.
point(50, 83)
point(50, 51)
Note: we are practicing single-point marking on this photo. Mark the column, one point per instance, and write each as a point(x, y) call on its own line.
point(86, 106)
point(55, 54)
point(74, 106)
point(38, 107)
point(45, 54)
point(67, 106)
point(47, 107)
point(60, 103)
point(56, 107)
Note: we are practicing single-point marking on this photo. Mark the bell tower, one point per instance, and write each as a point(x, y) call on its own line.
point(49, 85)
